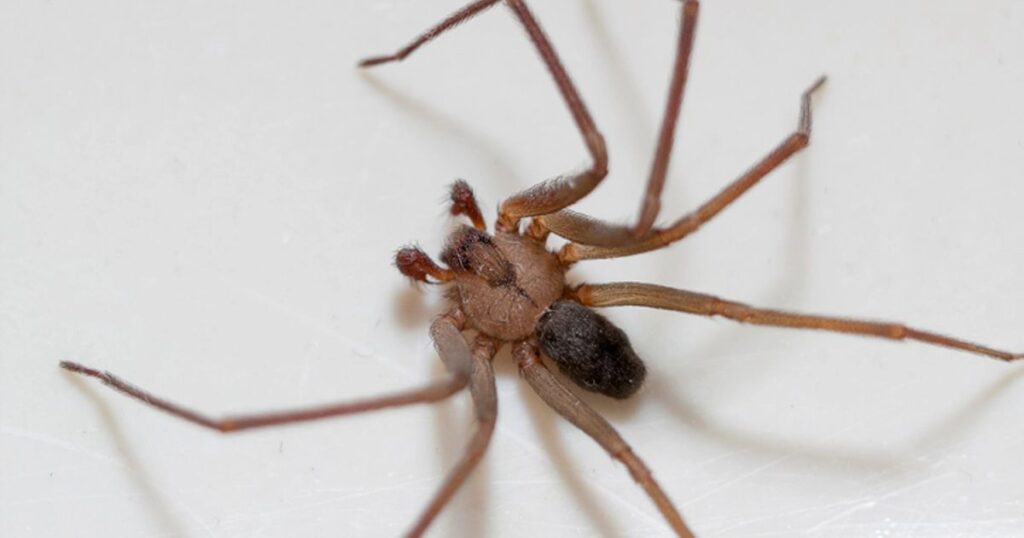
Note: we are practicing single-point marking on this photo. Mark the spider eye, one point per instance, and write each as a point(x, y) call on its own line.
point(590, 350)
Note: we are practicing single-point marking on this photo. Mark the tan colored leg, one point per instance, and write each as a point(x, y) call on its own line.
point(637, 294)
point(575, 410)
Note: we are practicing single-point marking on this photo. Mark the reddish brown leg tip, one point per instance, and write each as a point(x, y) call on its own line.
point(817, 84)
point(464, 203)
point(417, 265)
point(376, 60)
point(78, 368)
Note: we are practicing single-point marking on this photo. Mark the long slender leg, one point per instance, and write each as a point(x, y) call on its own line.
point(637, 294)
point(485, 404)
point(691, 222)
point(651, 203)
point(567, 404)
point(452, 21)
point(450, 345)
point(556, 193)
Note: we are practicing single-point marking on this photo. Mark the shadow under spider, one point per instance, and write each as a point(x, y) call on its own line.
point(953, 425)
point(957, 423)
point(467, 512)
point(424, 112)
point(622, 83)
point(156, 502)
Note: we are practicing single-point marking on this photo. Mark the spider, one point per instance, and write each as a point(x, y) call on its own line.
point(507, 287)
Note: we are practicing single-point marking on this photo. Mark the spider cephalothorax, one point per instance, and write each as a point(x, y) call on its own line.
point(509, 288)
point(503, 283)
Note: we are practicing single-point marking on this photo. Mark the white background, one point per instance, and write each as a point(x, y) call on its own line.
point(204, 197)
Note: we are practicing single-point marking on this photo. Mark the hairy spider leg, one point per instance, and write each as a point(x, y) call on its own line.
point(452, 348)
point(485, 406)
point(650, 295)
point(465, 366)
point(565, 223)
point(465, 13)
point(576, 411)
point(651, 202)
point(556, 193)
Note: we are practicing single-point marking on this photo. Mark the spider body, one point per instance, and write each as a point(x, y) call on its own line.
point(502, 283)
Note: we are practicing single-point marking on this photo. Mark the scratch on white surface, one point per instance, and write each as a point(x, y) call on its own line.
point(777, 516)
point(858, 505)
point(114, 462)
point(612, 494)
point(334, 498)
point(346, 495)
point(186, 509)
point(738, 479)
point(58, 443)
point(530, 482)
point(714, 459)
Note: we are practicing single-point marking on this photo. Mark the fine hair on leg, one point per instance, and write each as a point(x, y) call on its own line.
point(654, 296)
point(576, 411)
point(662, 237)
point(450, 345)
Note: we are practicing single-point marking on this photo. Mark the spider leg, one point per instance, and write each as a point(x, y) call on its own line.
point(556, 193)
point(637, 294)
point(576, 411)
point(651, 203)
point(590, 248)
point(450, 345)
point(590, 231)
point(485, 403)
point(562, 191)
point(583, 229)
point(452, 21)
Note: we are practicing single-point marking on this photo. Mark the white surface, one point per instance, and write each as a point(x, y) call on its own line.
point(204, 198)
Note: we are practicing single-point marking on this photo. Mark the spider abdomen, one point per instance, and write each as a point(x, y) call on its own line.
point(590, 350)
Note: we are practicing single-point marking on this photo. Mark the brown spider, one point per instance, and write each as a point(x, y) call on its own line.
point(509, 288)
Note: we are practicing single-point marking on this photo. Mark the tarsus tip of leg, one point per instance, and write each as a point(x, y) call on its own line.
point(817, 84)
point(377, 60)
point(78, 368)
